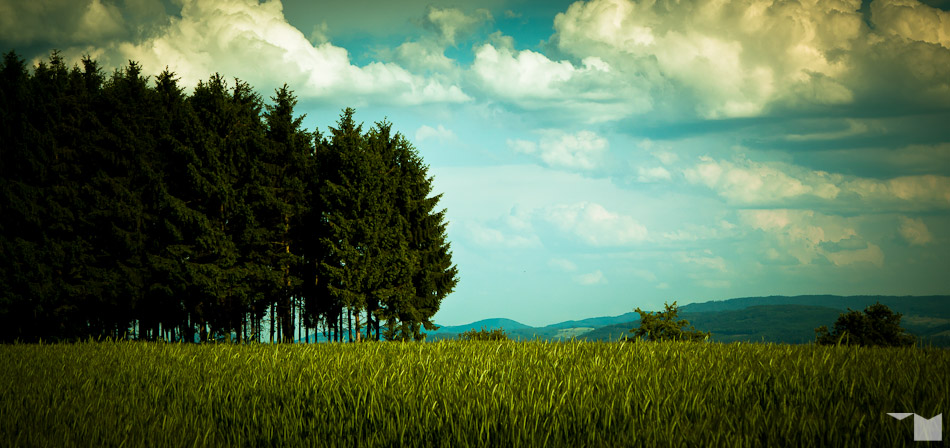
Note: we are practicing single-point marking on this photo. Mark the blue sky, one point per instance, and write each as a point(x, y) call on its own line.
point(597, 156)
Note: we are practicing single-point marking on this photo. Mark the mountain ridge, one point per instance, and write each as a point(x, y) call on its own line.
point(779, 319)
point(857, 302)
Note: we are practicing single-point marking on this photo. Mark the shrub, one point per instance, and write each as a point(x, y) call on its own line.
point(497, 334)
point(877, 326)
point(663, 326)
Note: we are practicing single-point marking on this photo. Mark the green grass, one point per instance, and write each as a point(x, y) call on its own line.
point(458, 394)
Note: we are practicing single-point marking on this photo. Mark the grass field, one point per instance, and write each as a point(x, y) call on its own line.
point(458, 394)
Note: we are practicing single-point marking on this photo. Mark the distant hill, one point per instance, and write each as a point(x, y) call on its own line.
point(489, 324)
point(790, 324)
point(595, 321)
point(908, 305)
point(778, 319)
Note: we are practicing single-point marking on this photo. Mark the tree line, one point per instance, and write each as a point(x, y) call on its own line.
point(876, 326)
point(129, 208)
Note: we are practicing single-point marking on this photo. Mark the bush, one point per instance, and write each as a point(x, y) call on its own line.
point(663, 326)
point(497, 334)
point(877, 326)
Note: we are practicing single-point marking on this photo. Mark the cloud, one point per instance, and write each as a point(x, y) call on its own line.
point(61, 22)
point(319, 34)
point(660, 152)
point(666, 157)
point(254, 42)
point(748, 182)
point(925, 190)
point(426, 55)
point(749, 58)
point(704, 259)
point(99, 21)
point(582, 150)
point(595, 225)
point(912, 20)
point(525, 74)
point(734, 58)
point(906, 160)
point(807, 236)
point(914, 231)
point(440, 134)
point(864, 253)
point(744, 181)
point(653, 174)
point(491, 237)
point(423, 56)
point(562, 264)
point(854, 128)
point(452, 24)
point(592, 278)
point(531, 80)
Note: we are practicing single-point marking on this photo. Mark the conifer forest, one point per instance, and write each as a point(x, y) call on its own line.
point(132, 208)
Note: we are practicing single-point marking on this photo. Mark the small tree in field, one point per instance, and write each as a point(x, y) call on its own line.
point(497, 334)
point(663, 326)
point(877, 326)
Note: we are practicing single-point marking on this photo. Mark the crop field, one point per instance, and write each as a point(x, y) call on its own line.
point(458, 394)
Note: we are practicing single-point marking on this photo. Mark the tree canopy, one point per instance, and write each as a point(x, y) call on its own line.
point(663, 326)
point(876, 326)
point(129, 208)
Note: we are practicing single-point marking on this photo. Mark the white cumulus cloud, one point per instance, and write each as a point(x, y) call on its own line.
point(653, 174)
point(582, 150)
point(807, 235)
point(531, 80)
point(912, 20)
point(439, 133)
point(734, 57)
point(749, 182)
point(743, 181)
point(595, 225)
point(252, 41)
point(745, 58)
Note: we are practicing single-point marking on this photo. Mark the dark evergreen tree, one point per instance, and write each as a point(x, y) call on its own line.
point(281, 202)
point(28, 285)
point(117, 150)
point(341, 230)
point(434, 276)
point(173, 223)
point(231, 136)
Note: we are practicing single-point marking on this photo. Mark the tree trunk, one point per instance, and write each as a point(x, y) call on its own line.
point(369, 325)
point(358, 326)
point(272, 322)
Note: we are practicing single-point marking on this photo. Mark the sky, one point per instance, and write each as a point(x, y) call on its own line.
point(598, 156)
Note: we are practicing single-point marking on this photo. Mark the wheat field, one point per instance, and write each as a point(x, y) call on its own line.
point(458, 394)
